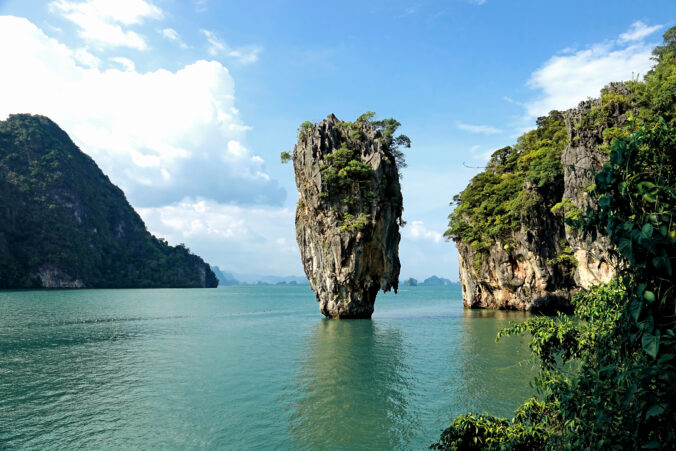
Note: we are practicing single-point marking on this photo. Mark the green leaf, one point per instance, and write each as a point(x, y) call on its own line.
point(625, 247)
point(649, 296)
point(651, 343)
point(635, 309)
point(648, 324)
point(652, 445)
point(641, 288)
point(662, 262)
point(655, 410)
point(647, 231)
point(629, 395)
point(644, 186)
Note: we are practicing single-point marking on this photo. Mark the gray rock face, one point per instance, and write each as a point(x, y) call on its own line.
point(521, 277)
point(348, 215)
point(582, 160)
point(55, 278)
point(524, 277)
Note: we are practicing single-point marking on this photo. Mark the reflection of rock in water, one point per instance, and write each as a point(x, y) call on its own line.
point(354, 389)
point(511, 372)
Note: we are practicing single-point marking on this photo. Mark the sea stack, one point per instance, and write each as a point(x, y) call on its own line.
point(349, 211)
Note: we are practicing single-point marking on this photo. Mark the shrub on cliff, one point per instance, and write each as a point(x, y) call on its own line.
point(495, 203)
point(346, 180)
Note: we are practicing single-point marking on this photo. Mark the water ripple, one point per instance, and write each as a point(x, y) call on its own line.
point(245, 368)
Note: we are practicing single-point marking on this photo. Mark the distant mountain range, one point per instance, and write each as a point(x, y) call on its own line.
point(227, 278)
point(433, 281)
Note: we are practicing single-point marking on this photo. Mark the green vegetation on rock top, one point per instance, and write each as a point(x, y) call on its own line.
point(496, 202)
point(348, 184)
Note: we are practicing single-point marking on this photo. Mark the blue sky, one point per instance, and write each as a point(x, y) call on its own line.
point(186, 105)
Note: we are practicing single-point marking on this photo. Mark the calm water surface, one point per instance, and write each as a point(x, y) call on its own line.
point(246, 367)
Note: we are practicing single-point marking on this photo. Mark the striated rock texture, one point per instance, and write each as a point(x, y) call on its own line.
point(348, 214)
point(582, 159)
point(63, 224)
point(520, 275)
point(540, 265)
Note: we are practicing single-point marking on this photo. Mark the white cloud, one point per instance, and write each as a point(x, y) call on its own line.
point(416, 230)
point(228, 234)
point(126, 63)
point(244, 55)
point(103, 22)
point(483, 129)
point(566, 79)
point(216, 46)
point(638, 31)
point(170, 34)
point(512, 101)
point(160, 135)
point(173, 35)
point(86, 59)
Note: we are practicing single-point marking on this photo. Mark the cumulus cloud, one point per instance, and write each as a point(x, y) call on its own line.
point(216, 47)
point(416, 230)
point(104, 22)
point(160, 135)
point(226, 235)
point(483, 129)
point(568, 78)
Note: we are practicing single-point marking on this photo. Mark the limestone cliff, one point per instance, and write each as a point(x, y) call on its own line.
point(582, 159)
point(521, 275)
point(348, 213)
point(536, 262)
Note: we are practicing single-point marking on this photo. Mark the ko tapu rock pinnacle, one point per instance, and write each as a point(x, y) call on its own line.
point(349, 210)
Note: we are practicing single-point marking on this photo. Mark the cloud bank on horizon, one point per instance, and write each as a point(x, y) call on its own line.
point(174, 141)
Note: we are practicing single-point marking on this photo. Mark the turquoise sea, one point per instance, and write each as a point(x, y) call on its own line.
point(247, 367)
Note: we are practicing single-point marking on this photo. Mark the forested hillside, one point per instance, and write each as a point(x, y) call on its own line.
point(64, 224)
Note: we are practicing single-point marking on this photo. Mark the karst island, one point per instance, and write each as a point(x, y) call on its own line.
point(349, 210)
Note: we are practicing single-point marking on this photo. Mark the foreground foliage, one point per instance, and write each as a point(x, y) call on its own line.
point(607, 375)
